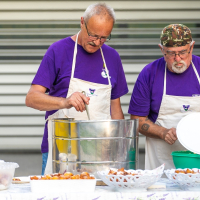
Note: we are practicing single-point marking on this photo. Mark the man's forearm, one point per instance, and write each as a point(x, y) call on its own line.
point(44, 102)
point(117, 115)
point(116, 110)
point(150, 129)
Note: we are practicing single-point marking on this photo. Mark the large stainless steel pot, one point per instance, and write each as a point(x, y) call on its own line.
point(94, 145)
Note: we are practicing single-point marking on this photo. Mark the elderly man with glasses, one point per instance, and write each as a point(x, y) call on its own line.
point(77, 71)
point(166, 90)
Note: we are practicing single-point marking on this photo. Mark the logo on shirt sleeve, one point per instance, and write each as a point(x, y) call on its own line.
point(103, 73)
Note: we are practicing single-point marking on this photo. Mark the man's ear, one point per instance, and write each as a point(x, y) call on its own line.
point(193, 42)
point(82, 22)
point(161, 48)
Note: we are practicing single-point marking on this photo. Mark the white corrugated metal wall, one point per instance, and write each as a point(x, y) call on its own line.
point(27, 28)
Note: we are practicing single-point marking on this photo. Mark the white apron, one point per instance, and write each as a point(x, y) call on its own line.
point(99, 104)
point(171, 111)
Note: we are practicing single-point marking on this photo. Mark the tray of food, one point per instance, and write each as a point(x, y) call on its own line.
point(186, 178)
point(67, 182)
point(20, 180)
point(132, 179)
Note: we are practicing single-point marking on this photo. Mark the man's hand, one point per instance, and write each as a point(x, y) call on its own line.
point(77, 100)
point(38, 99)
point(170, 136)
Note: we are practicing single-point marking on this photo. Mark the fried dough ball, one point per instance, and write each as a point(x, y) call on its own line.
point(68, 174)
point(55, 178)
point(75, 176)
point(84, 175)
point(48, 177)
point(43, 178)
point(34, 178)
point(16, 179)
point(112, 172)
point(133, 174)
point(121, 169)
point(180, 171)
point(189, 171)
point(62, 177)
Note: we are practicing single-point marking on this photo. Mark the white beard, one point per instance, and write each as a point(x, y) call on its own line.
point(179, 69)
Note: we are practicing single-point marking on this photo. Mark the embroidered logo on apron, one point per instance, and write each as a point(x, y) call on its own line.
point(91, 92)
point(185, 108)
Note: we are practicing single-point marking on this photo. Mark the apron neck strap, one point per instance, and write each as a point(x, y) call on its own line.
point(74, 56)
point(105, 66)
point(195, 70)
point(74, 60)
point(164, 89)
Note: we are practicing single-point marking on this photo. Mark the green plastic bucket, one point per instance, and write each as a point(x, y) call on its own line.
point(186, 159)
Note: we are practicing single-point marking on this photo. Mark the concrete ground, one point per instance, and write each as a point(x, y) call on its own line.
point(31, 163)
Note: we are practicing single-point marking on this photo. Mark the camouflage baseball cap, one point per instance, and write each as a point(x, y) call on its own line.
point(175, 35)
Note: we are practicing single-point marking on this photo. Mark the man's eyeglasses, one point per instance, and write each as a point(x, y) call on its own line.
point(182, 54)
point(102, 39)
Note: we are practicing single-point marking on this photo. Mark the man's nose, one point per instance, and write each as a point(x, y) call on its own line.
point(97, 42)
point(177, 57)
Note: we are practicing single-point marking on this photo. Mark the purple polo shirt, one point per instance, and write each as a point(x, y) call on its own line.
point(54, 72)
point(148, 90)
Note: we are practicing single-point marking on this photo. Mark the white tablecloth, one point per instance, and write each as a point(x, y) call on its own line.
point(172, 191)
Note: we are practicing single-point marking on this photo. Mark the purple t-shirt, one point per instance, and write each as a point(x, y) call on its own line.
point(54, 72)
point(148, 90)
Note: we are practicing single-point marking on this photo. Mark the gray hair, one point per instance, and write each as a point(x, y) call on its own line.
point(98, 9)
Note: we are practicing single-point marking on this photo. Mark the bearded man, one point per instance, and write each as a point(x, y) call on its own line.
point(166, 90)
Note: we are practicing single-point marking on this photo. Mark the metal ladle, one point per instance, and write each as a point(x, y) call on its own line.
point(86, 107)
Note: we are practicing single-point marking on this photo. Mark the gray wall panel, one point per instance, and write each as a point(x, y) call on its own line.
point(29, 27)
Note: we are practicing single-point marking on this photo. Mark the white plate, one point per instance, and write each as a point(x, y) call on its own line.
point(23, 179)
point(188, 132)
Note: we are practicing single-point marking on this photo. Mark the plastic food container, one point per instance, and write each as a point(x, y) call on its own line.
point(7, 171)
point(80, 185)
point(186, 159)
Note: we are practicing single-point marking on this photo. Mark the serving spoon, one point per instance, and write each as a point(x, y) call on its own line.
point(86, 107)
